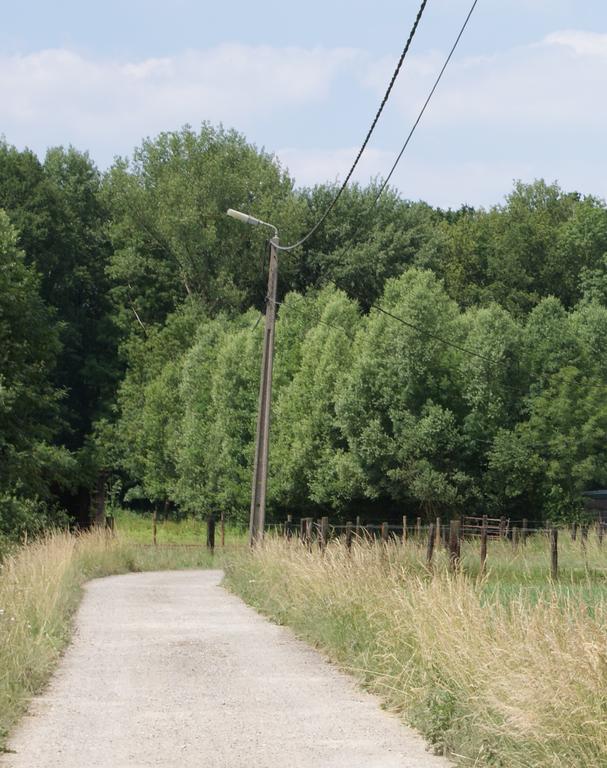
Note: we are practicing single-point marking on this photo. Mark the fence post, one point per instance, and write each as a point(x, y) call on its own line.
point(405, 531)
point(154, 525)
point(514, 537)
point(419, 529)
point(348, 536)
point(454, 544)
point(289, 527)
point(484, 544)
point(109, 524)
point(554, 554)
point(445, 536)
point(574, 532)
point(358, 525)
point(385, 532)
point(437, 533)
point(211, 533)
point(431, 542)
point(306, 531)
point(599, 532)
point(502, 527)
point(323, 532)
point(525, 526)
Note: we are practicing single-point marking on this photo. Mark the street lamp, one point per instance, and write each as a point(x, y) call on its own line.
point(262, 437)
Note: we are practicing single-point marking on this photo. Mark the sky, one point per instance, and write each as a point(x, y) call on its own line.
point(523, 98)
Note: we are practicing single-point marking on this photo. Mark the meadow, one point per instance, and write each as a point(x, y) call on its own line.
point(503, 668)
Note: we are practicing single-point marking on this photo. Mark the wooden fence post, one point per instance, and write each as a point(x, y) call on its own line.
point(419, 529)
point(405, 530)
point(289, 527)
point(154, 525)
point(431, 542)
point(306, 531)
point(574, 532)
point(348, 536)
point(109, 524)
point(514, 537)
point(309, 531)
point(525, 526)
point(554, 554)
point(454, 544)
point(323, 532)
point(385, 532)
point(358, 525)
point(502, 527)
point(211, 533)
point(599, 532)
point(437, 533)
point(484, 544)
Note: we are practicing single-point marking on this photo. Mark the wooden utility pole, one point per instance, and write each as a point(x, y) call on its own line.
point(262, 438)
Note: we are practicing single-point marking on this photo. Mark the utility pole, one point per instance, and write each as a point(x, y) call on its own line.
point(262, 437)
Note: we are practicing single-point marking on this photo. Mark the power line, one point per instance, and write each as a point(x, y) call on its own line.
point(429, 334)
point(465, 350)
point(430, 95)
point(368, 136)
point(290, 307)
point(447, 342)
point(549, 447)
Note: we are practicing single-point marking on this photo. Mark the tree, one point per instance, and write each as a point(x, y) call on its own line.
point(547, 460)
point(362, 243)
point(308, 447)
point(171, 237)
point(394, 406)
point(29, 403)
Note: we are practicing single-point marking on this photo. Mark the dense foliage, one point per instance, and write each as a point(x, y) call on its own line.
point(425, 359)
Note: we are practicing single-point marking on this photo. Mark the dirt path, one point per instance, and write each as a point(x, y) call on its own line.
point(168, 669)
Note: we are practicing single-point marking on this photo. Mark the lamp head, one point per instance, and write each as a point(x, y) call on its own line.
point(244, 217)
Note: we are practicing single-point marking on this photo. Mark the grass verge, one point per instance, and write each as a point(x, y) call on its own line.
point(507, 670)
point(40, 588)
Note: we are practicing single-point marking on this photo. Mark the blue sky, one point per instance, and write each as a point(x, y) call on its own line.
point(524, 97)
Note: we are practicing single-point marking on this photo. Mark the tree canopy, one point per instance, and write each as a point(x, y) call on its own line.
point(425, 359)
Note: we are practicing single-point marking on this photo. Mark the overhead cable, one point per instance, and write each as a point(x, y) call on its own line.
point(368, 136)
point(425, 105)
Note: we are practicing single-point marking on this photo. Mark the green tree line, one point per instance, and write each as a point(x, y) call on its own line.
point(130, 325)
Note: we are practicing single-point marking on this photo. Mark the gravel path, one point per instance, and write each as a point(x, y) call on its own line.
point(168, 669)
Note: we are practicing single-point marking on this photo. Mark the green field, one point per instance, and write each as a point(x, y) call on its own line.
point(138, 528)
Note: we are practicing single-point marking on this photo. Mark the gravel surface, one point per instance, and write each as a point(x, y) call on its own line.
point(168, 669)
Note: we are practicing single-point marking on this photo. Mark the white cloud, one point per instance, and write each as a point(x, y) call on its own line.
point(536, 110)
point(551, 84)
point(59, 96)
point(582, 43)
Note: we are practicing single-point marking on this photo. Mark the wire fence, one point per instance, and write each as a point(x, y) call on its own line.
point(430, 536)
point(450, 535)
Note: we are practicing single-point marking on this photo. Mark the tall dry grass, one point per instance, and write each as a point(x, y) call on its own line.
point(40, 588)
point(505, 670)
